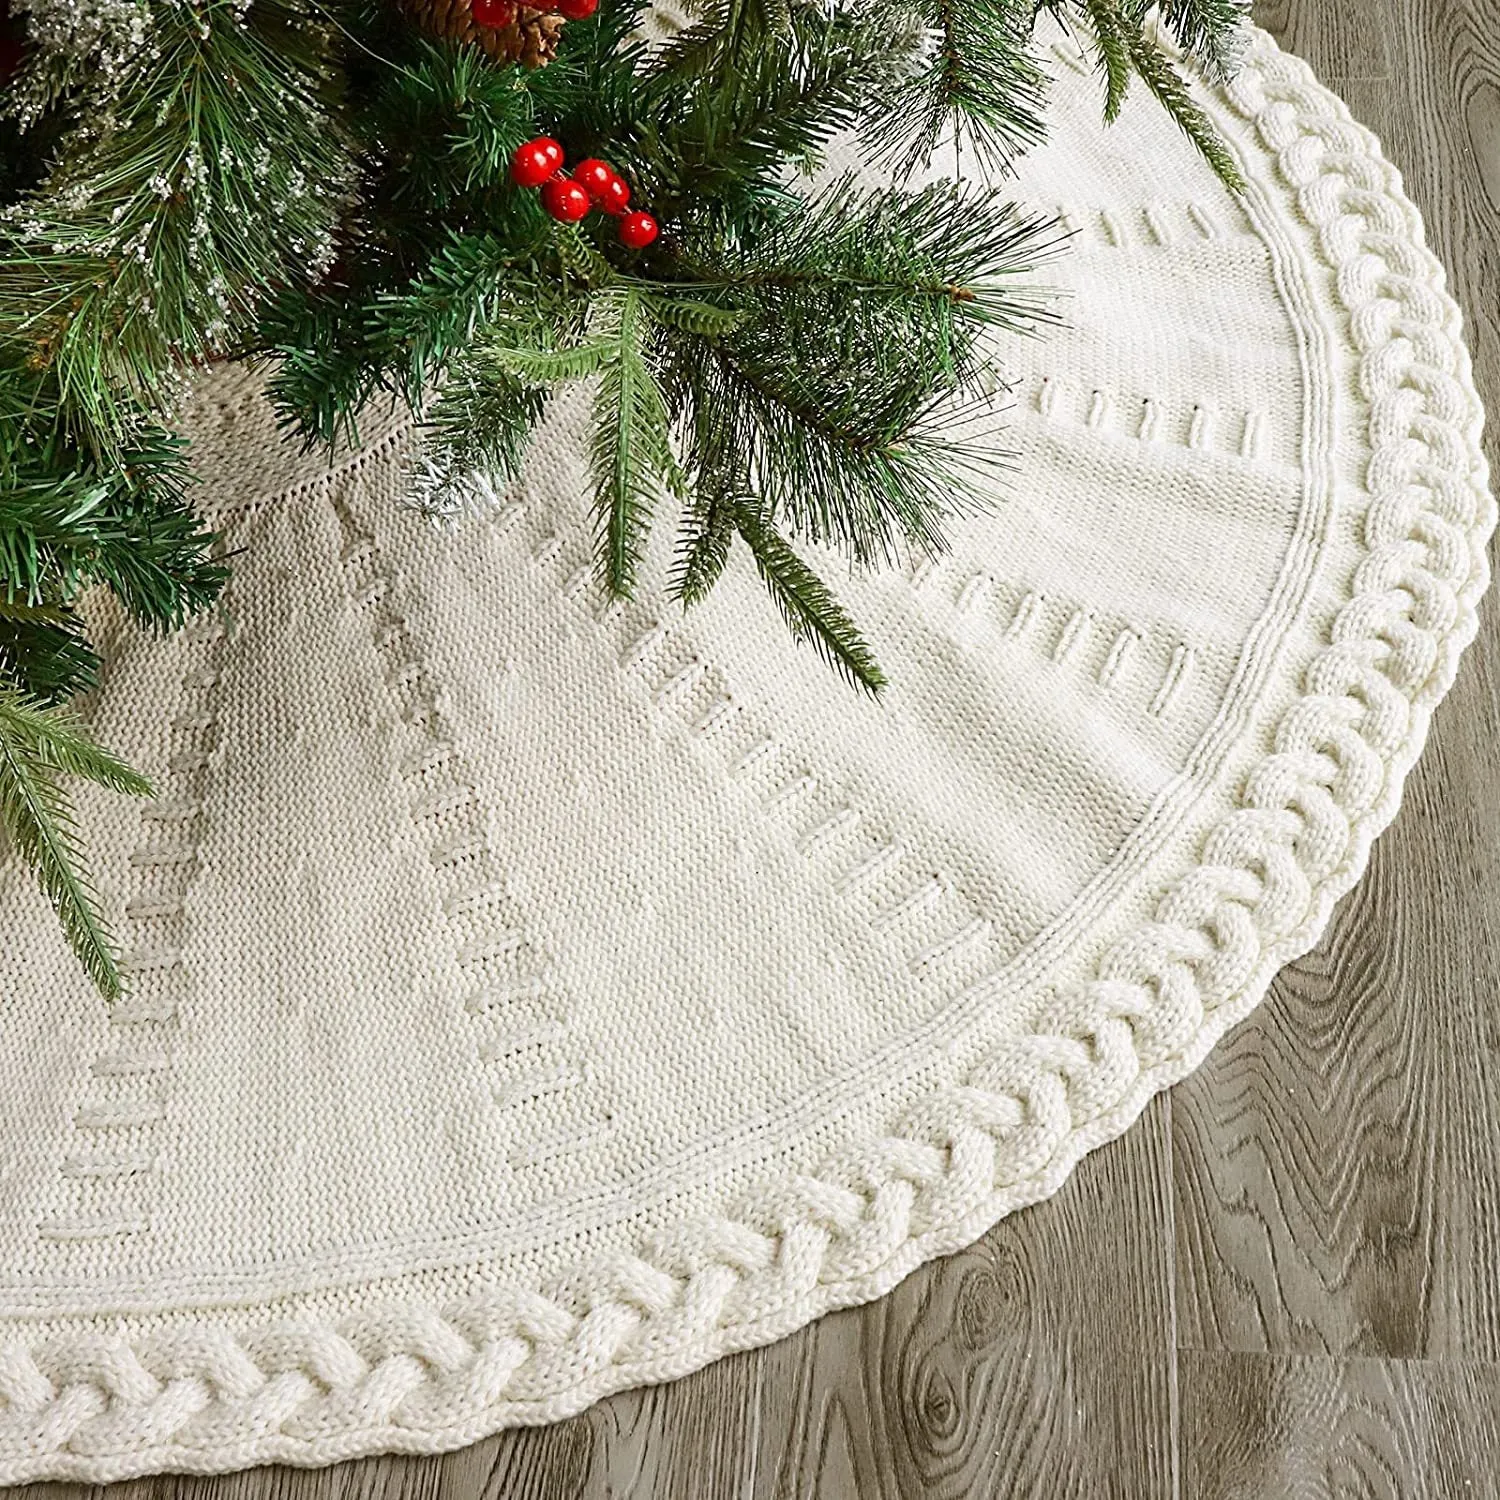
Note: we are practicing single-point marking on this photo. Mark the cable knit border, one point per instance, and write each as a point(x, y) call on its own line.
point(427, 1379)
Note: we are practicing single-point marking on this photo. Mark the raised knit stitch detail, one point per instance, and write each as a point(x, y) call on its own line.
point(106, 1184)
point(503, 970)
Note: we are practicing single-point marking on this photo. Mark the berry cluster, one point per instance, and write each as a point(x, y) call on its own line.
point(592, 184)
point(502, 13)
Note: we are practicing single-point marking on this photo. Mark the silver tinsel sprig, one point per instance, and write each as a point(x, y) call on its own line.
point(443, 495)
point(97, 48)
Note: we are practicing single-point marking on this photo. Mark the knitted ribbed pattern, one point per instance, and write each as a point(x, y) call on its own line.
point(532, 998)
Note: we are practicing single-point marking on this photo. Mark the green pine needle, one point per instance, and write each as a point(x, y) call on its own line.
point(884, 296)
point(687, 315)
point(37, 744)
point(67, 521)
point(35, 614)
point(548, 366)
point(199, 178)
point(1112, 39)
point(482, 422)
point(1171, 90)
point(979, 84)
point(581, 260)
point(807, 605)
point(632, 449)
point(703, 549)
point(1210, 32)
point(49, 652)
point(725, 110)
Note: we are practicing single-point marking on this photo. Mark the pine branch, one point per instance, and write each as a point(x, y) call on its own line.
point(210, 176)
point(481, 422)
point(1210, 32)
point(47, 651)
point(632, 450)
point(951, 259)
point(723, 129)
point(708, 529)
point(59, 742)
point(65, 524)
point(1171, 90)
point(582, 261)
point(883, 295)
point(323, 375)
point(36, 745)
point(403, 338)
point(1112, 40)
point(471, 283)
point(975, 80)
point(809, 608)
point(13, 610)
point(588, 97)
point(702, 548)
point(547, 366)
point(724, 29)
point(315, 183)
point(74, 51)
point(448, 120)
point(1211, 29)
point(691, 315)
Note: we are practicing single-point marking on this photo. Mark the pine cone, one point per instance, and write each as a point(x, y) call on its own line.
point(530, 39)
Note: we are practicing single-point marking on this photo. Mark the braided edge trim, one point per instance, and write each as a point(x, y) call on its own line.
point(412, 1378)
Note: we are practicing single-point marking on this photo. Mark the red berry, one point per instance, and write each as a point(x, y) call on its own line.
point(614, 195)
point(536, 161)
point(593, 176)
point(576, 10)
point(495, 13)
point(564, 200)
point(637, 230)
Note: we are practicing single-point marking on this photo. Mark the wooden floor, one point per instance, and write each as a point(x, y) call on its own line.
point(1284, 1281)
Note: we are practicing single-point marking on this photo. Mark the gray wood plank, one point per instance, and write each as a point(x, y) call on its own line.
point(1322, 1428)
point(1342, 39)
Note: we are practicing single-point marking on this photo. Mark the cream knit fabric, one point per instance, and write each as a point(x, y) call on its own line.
point(532, 998)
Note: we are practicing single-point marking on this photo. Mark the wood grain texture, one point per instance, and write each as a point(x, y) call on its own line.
point(1342, 39)
point(1284, 1281)
point(1313, 1426)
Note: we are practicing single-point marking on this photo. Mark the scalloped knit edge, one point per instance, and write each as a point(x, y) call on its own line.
point(407, 1377)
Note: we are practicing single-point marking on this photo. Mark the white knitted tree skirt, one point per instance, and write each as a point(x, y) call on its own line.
point(532, 999)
